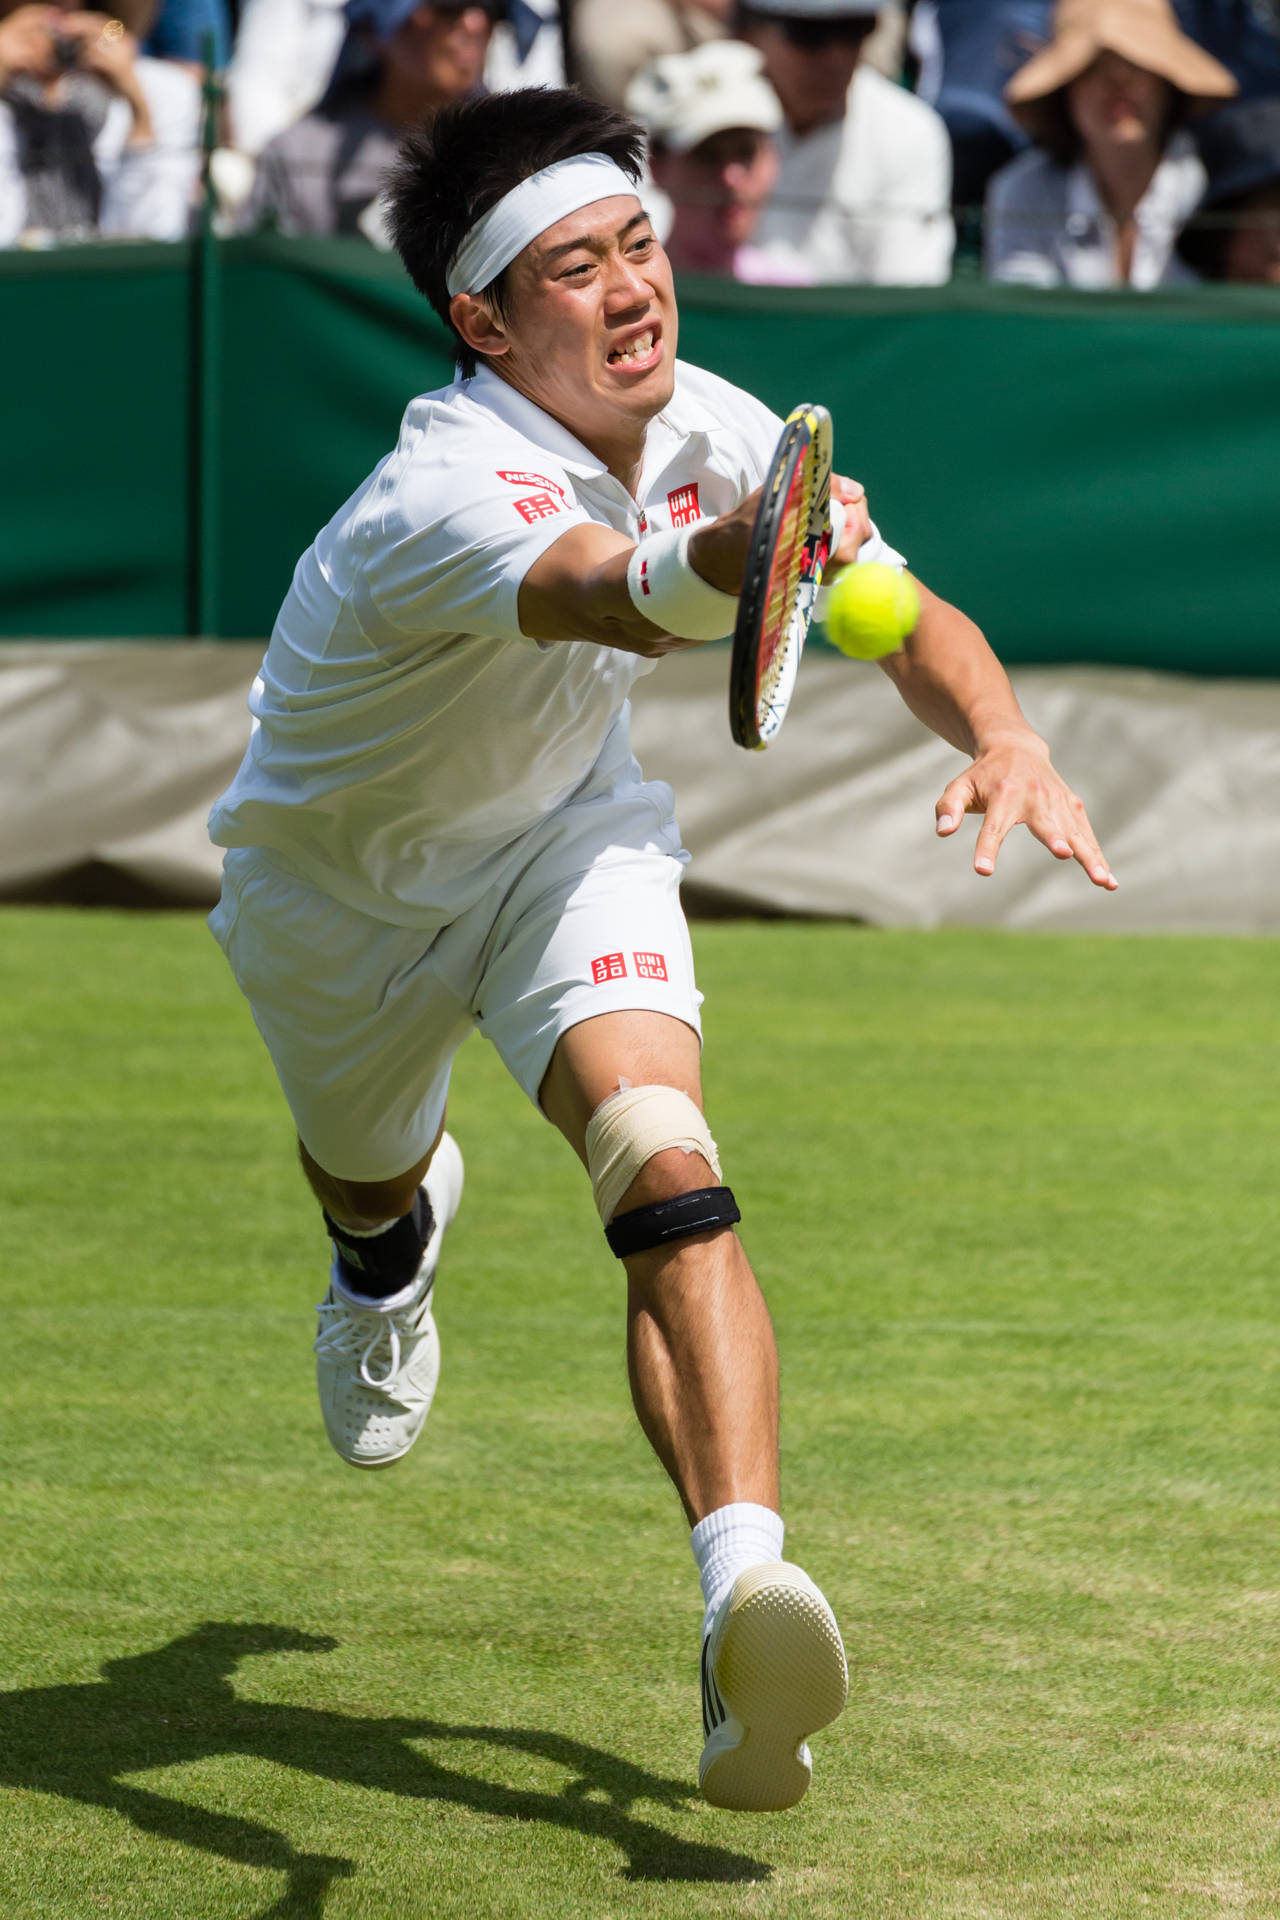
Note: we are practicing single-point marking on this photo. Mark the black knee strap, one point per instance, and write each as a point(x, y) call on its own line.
point(698, 1212)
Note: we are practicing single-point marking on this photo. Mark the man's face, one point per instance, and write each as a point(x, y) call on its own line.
point(444, 46)
point(810, 63)
point(591, 320)
point(717, 189)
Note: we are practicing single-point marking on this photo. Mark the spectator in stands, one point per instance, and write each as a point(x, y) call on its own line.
point(94, 138)
point(864, 189)
point(712, 120)
point(1099, 200)
point(324, 174)
point(613, 39)
point(284, 58)
point(1235, 234)
point(286, 52)
point(968, 51)
point(527, 49)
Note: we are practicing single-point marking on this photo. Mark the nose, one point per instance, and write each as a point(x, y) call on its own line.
point(627, 284)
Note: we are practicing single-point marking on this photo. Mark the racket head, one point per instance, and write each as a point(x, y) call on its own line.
point(786, 557)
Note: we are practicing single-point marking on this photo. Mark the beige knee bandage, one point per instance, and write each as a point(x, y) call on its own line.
point(628, 1128)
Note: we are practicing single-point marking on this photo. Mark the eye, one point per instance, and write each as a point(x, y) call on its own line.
point(574, 273)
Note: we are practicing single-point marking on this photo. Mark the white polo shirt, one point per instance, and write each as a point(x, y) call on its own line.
point(867, 197)
point(406, 732)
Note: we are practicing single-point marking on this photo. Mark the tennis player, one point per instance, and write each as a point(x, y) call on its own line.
point(439, 825)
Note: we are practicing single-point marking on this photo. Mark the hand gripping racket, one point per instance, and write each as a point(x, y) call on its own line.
point(785, 560)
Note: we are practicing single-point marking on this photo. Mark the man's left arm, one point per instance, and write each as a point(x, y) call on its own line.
point(952, 681)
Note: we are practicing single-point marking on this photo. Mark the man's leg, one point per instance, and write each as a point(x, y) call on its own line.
point(377, 1350)
point(700, 1346)
point(365, 1204)
point(704, 1377)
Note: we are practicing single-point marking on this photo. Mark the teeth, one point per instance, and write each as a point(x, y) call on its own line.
point(637, 350)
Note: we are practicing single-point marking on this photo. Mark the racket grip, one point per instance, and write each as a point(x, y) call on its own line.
point(837, 522)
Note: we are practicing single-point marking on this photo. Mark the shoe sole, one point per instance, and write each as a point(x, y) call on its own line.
point(779, 1667)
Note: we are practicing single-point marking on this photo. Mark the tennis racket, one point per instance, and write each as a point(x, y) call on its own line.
point(785, 560)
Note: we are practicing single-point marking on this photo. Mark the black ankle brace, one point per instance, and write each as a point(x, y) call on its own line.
point(387, 1261)
point(699, 1212)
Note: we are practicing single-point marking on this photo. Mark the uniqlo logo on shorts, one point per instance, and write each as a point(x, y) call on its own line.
point(683, 502)
point(538, 506)
point(531, 480)
point(650, 966)
point(610, 966)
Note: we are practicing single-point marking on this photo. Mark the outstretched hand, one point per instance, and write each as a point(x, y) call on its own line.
point(1014, 783)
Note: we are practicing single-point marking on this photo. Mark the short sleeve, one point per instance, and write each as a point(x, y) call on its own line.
point(456, 542)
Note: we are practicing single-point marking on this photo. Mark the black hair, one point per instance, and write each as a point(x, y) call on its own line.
point(450, 172)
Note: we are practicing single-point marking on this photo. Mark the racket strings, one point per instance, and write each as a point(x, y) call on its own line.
point(785, 579)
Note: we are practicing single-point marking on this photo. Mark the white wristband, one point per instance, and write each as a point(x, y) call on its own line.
point(665, 589)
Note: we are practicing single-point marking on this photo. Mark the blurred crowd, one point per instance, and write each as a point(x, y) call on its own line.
point(1091, 143)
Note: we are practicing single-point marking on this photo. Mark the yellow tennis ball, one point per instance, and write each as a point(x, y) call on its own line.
point(870, 610)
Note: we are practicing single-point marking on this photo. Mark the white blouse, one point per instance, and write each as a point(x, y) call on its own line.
point(1046, 225)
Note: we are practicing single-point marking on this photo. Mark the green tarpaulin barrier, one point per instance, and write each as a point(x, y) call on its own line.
point(1094, 477)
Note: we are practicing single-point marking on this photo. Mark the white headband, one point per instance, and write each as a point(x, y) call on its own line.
point(528, 210)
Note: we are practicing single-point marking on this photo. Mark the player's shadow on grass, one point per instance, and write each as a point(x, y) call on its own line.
point(177, 1705)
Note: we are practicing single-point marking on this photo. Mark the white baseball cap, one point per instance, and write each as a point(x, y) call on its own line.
point(683, 98)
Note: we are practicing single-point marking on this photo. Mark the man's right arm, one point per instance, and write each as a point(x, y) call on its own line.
point(577, 589)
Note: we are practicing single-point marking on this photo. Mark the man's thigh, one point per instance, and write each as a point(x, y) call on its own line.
point(593, 928)
point(359, 1023)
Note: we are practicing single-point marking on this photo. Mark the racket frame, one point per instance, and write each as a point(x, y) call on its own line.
point(755, 719)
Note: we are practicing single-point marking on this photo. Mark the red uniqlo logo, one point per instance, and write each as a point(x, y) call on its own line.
point(538, 506)
point(610, 966)
point(683, 503)
point(644, 577)
point(650, 966)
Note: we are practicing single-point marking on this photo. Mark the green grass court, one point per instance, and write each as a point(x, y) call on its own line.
point(1015, 1205)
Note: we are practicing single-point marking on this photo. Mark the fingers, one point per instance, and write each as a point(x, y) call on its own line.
point(847, 492)
point(957, 800)
point(990, 840)
point(1060, 824)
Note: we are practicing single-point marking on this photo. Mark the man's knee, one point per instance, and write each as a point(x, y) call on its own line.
point(361, 1203)
point(655, 1171)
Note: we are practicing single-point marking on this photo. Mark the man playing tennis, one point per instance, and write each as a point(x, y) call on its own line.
point(439, 824)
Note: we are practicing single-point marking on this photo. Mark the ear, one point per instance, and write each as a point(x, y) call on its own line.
point(482, 331)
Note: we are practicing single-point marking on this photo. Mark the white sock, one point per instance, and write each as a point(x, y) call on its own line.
point(729, 1541)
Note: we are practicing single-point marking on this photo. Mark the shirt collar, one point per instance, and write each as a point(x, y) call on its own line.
point(1165, 204)
point(681, 417)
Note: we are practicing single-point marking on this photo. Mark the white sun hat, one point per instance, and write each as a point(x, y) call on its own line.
point(683, 98)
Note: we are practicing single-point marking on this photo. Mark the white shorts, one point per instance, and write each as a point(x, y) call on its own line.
point(362, 1019)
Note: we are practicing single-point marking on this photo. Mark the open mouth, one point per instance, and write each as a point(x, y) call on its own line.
point(636, 354)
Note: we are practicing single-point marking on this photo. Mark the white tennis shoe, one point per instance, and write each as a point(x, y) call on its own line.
point(377, 1366)
point(773, 1672)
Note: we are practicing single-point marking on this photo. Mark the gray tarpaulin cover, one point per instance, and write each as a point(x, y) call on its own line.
point(111, 754)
